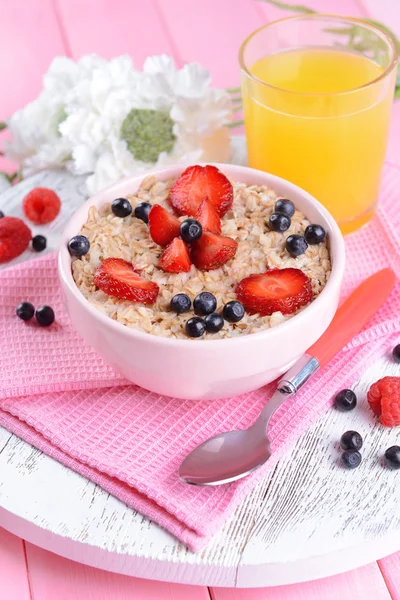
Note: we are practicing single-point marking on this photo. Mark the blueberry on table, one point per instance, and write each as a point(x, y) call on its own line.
point(214, 322)
point(79, 245)
point(396, 353)
point(346, 400)
point(195, 327)
point(233, 311)
point(180, 303)
point(204, 304)
point(285, 206)
point(25, 311)
point(39, 243)
point(142, 211)
point(279, 222)
point(351, 459)
point(190, 230)
point(45, 316)
point(351, 440)
point(392, 457)
point(314, 234)
point(296, 245)
point(1, 214)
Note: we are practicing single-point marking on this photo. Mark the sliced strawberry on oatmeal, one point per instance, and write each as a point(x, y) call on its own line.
point(163, 225)
point(196, 183)
point(283, 290)
point(208, 217)
point(117, 277)
point(212, 251)
point(175, 258)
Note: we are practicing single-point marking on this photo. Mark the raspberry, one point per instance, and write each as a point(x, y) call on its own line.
point(41, 205)
point(14, 238)
point(384, 400)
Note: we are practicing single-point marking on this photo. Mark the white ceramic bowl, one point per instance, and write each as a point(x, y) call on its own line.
point(205, 369)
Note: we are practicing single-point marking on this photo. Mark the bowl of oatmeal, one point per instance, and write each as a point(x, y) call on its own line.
point(201, 282)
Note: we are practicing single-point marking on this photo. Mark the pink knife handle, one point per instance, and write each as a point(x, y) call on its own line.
point(353, 314)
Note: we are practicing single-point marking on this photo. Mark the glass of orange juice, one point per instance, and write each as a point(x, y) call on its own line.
point(317, 96)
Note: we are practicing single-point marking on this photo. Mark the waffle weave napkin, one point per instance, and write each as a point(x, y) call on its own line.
point(59, 395)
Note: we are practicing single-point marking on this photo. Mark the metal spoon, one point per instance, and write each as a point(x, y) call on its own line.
point(234, 454)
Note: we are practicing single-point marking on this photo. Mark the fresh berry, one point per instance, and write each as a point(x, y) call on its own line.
point(346, 400)
point(195, 327)
point(314, 234)
point(384, 400)
point(25, 311)
point(285, 206)
point(351, 440)
point(396, 353)
point(41, 205)
point(121, 207)
point(284, 290)
point(296, 245)
point(212, 251)
point(14, 238)
point(142, 211)
point(163, 225)
point(1, 214)
point(208, 217)
point(351, 459)
point(79, 245)
point(214, 323)
point(204, 304)
point(191, 230)
point(392, 457)
point(45, 316)
point(233, 311)
point(279, 222)
point(116, 277)
point(175, 258)
point(180, 303)
point(196, 183)
point(39, 243)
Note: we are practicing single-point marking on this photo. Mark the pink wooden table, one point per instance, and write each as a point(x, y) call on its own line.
point(32, 32)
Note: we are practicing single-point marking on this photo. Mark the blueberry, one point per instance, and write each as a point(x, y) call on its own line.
point(233, 311)
point(121, 207)
point(351, 440)
point(195, 327)
point(279, 222)
point(396, 353)
point(314, 234)
point(39, 243)
point(142, 211)
point(346, 400)
point(190, 230)
point(214, 322)
point(285, 206)
point(25, 311)
point(392, 457)
point(204, 304)
point(45, 315)
point(78, 245)
point(296, 245)
point(1, 214)
point(351, 459)
point(180, 303)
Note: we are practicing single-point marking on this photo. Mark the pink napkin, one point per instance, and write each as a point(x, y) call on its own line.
point(60, 396)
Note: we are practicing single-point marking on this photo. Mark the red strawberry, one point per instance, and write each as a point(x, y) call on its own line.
point(212, 251)
point(208, 217)
point(283, 290)
point(116, 277)
point(384, 400)
point(41, 205)
point(175, 258)
point(14, 238)
point(196, 183)
point(163, 225)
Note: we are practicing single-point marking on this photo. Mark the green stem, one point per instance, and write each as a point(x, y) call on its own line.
point(235, 90)
point(293, 7)
point(3, 125)
point(235, 124)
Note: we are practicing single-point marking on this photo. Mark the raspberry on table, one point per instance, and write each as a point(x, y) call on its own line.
point(14, 238)
point(384, 400)
point(41, 205)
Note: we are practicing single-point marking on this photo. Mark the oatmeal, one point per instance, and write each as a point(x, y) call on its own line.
point(259, 249)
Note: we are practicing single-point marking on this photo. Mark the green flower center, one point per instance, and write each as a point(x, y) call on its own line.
point(147, 133)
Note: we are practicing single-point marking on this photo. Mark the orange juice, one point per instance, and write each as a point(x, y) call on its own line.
point(318, 124)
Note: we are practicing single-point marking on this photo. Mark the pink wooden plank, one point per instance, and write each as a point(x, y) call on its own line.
point(366, 583)
point(113, 27)
point(13, 574)
point(387, 11)
point(54, 577)
point(390, 568)
point(339, 7)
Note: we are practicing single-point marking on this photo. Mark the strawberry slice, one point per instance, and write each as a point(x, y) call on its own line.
point(283, 290)
point(212, 251)
point(196, 183)
point(163, 225)
point(116, 277)
point(175, 258)
point(208, 217)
